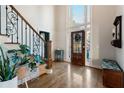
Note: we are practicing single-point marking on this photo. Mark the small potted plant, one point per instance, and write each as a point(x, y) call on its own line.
point(8, 78)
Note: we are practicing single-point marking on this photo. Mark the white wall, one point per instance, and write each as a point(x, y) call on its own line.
point(47, 19)
point(102, 24)
point(120, 51)
point(60, 13)
point(30, 13)
point(47, 22)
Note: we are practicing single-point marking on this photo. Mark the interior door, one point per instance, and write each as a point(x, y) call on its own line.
point(78, 48)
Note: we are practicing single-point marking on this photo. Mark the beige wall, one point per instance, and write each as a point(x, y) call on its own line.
point(47, 22)
point(120, 51)
point(30, 13)
point(60, 23)
point(102, 24)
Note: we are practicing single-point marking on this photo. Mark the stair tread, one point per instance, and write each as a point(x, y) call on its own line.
point(11, 43)
point(3, 35)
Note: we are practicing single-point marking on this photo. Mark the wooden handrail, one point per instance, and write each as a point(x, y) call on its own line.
point(26, 21)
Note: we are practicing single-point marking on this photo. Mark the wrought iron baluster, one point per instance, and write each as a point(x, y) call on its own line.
point(30, 37)
point(17, 31)
point(26, 34)
point(11, 24)
point(36, 45)
point(22, 31)
point(7, 28)
point(12, 39)
point(33, 42)
point(6, 20)
point(38, 52)
point(40, 46)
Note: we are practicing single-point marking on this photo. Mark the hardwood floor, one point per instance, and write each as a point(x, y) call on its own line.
point(66, 75)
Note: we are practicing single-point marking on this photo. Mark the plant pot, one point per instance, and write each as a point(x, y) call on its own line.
point(10, 83)
point(21, 72)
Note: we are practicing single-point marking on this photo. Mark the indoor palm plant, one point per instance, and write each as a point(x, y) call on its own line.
point(8, 76)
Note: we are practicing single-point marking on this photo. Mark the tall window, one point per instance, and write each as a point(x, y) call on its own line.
point(78, 12)
point(80, 15)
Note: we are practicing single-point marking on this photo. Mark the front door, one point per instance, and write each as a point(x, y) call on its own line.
point(78, 48)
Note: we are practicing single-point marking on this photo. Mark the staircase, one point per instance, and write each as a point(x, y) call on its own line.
point(15, 30)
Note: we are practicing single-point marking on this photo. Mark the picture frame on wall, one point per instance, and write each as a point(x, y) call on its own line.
point(117, 32)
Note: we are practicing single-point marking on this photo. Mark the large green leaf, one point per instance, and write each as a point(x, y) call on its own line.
point(7, 71)
point(2, 63)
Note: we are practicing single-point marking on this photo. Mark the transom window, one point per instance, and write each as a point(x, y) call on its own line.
point(78, 12)
point(80, 15)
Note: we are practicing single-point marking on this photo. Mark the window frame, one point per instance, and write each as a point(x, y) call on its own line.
point(85, 17)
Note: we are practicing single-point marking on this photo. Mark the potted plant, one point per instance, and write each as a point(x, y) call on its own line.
point(8, 78)
point(20, 56)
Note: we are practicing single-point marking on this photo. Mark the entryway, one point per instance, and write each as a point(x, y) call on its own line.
point(78, 48)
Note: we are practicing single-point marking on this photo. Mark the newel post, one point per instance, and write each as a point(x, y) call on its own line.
point(49, 45)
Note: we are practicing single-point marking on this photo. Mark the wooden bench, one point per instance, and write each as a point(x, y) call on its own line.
point(112, 74)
